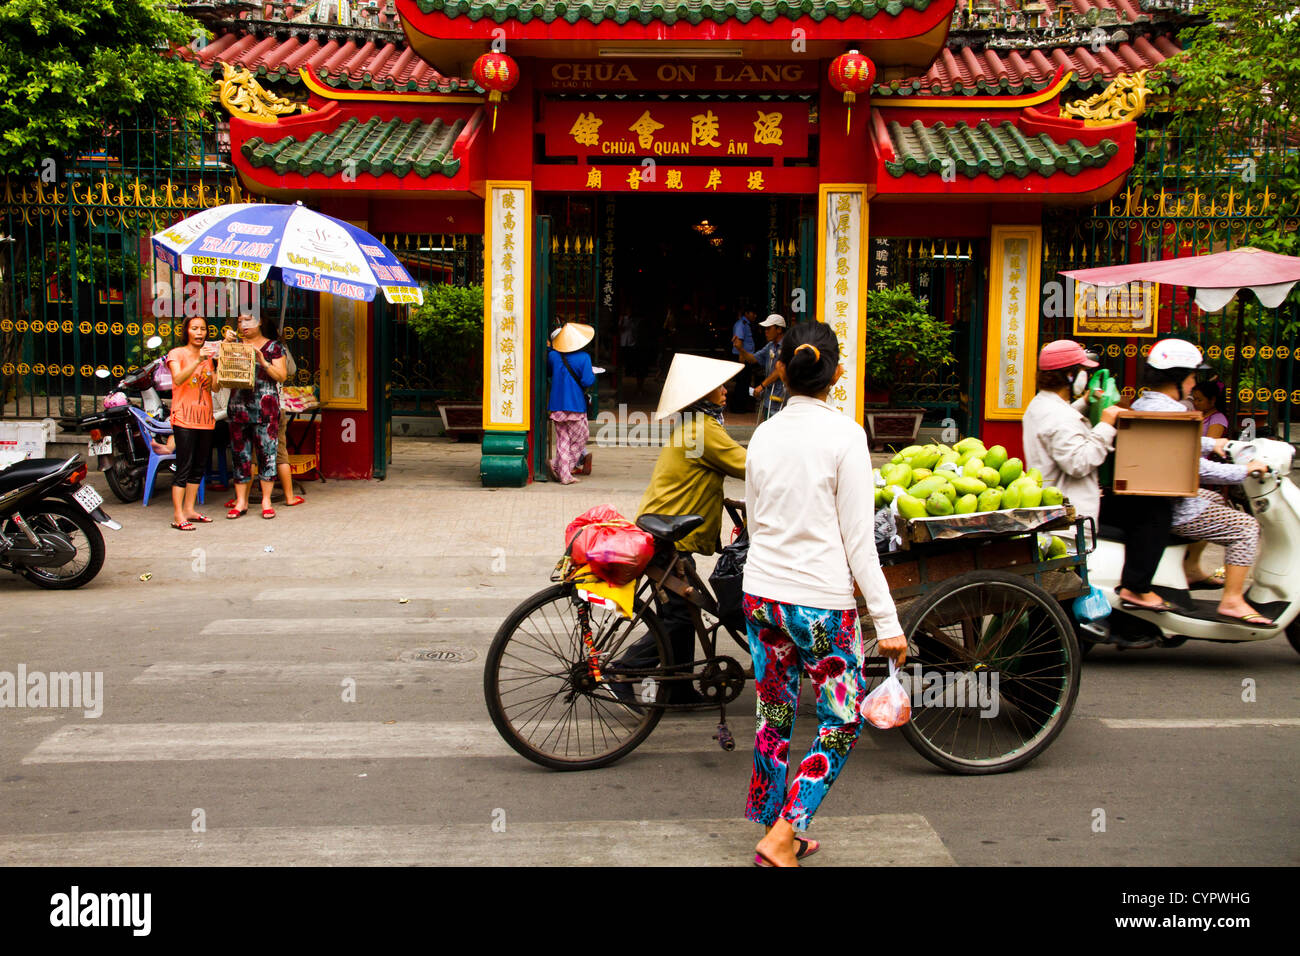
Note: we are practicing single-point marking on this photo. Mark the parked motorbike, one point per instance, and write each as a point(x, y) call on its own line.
point(1274, 500)
point(115, 439)
point(49, 523)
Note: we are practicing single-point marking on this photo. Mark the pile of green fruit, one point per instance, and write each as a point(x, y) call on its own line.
point(935, 480)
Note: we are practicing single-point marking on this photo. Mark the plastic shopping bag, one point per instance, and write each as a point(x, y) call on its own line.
point(1101, 381)
point(1092, 606)
point(615, 548)
point(887, 706)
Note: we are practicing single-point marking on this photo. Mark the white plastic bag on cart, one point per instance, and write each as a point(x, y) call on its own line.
point(888, 705)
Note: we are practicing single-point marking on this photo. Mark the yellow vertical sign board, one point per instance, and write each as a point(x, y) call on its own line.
point(842, 277)
point(507, 305)
point(1011, 350)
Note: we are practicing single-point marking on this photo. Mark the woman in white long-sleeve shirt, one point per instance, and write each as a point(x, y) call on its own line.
point(809, 516)
point(1058, 440)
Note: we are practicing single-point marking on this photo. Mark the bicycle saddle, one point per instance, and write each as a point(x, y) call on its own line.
point(669, 527)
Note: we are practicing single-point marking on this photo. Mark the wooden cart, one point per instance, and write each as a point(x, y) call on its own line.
point(993, 661)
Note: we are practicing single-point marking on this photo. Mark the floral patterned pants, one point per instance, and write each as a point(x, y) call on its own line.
point(785, 639)
point(243, 437)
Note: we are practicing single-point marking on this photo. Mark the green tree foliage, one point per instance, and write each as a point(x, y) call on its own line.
point(1235, 95)
point(68, 68)
point(902, 338)
point(450, 324)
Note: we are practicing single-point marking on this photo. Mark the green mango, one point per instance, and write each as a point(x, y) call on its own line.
point(995, 457)
point(1031, 496)
point(926, 458)
point(1010, 470)
point(910, 507)
point(973, 467)
point(949, 457)
point(921, 489)
point(897, 459)
point(991, 500)
point(967, 443)
point(989, 476)
point(1011, 497)
point(969, 486)
point(966, 505)
point(880, 498)
point(1052, 496)
point(949, 492)
point(900, 474)
point(943, 449)
point(890, 492)
point(938, 505)
point(1058, 548)
point(909, 451)
point(920, 474)
point(1037, 475)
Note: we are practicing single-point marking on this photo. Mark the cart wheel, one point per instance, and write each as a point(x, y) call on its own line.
point(993, 670)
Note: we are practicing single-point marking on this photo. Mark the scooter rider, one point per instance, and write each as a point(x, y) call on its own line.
point(1170, 376)
point(1058, 440)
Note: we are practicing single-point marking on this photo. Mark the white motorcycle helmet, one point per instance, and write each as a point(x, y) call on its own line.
point(1170, 363)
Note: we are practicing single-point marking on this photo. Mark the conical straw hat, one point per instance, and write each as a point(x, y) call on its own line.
point(691, 377)
point(572, 336)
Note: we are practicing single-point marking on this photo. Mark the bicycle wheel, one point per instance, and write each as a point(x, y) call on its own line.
point(539, 690)
point(993, 671)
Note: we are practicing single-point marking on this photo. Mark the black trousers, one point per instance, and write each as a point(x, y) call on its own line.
point(675, 614)
point(1145, 522)
point(193, 446)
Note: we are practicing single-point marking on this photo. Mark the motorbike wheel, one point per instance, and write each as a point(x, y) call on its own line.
point(80, 529)
point(127, 484)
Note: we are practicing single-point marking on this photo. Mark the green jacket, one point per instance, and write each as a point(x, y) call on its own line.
point(687, 479)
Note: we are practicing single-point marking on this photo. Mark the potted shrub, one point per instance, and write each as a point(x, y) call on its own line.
point(901, 336)
point(450, 325)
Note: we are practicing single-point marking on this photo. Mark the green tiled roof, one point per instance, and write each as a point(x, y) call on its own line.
point(989, 150)
point(666, 11)
point(395, 146)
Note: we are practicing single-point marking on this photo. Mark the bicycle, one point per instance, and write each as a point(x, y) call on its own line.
point(565, 643)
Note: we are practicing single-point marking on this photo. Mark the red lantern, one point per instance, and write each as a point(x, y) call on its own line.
point(498, 74)
point(852, 73)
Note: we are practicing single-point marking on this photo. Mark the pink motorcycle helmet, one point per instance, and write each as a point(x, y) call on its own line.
point(115, 400)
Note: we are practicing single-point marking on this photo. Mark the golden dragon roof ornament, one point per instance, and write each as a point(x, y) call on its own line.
point(243, 96)
point(1125, 99)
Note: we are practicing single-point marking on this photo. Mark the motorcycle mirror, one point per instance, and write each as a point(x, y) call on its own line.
point(101, 373)
point(153, 341)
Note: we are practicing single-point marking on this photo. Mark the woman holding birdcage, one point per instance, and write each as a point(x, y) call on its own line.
point(254, 414)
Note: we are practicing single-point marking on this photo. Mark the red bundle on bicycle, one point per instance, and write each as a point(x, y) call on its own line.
point(617, 550)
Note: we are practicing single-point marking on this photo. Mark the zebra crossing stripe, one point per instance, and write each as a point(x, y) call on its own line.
point(357, 626)
point(890, 839)
point(444, 592)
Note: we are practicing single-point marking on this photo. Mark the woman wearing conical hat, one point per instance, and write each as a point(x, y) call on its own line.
point(571, 375)
point(687, 480)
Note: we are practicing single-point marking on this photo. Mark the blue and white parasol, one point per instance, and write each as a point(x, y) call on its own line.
point(308, 250)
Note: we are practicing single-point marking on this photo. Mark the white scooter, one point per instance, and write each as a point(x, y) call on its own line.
point(1274, 500)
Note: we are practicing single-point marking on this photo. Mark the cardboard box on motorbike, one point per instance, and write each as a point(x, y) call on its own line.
point(1157, 453)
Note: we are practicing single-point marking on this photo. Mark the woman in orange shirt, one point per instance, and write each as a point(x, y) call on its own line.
point(192, 421)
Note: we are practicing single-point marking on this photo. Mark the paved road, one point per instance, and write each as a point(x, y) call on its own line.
point(223, 702)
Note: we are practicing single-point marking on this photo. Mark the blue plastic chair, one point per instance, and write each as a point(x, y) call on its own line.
point(150, 430)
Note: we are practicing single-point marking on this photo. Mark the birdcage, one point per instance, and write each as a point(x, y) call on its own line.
point(236, 365)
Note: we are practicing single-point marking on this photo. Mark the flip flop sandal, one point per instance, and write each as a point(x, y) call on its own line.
point(761, 860)
point(299, 500)
point(184, 526)
point(1257, 619)
point(230, 503)
point(268, 513)
point(1135, 606)
point(201, 519)
point(806, 847)
point(236, 513)
point(1214, 581)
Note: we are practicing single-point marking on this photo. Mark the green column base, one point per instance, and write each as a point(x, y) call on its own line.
point(504, 463)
